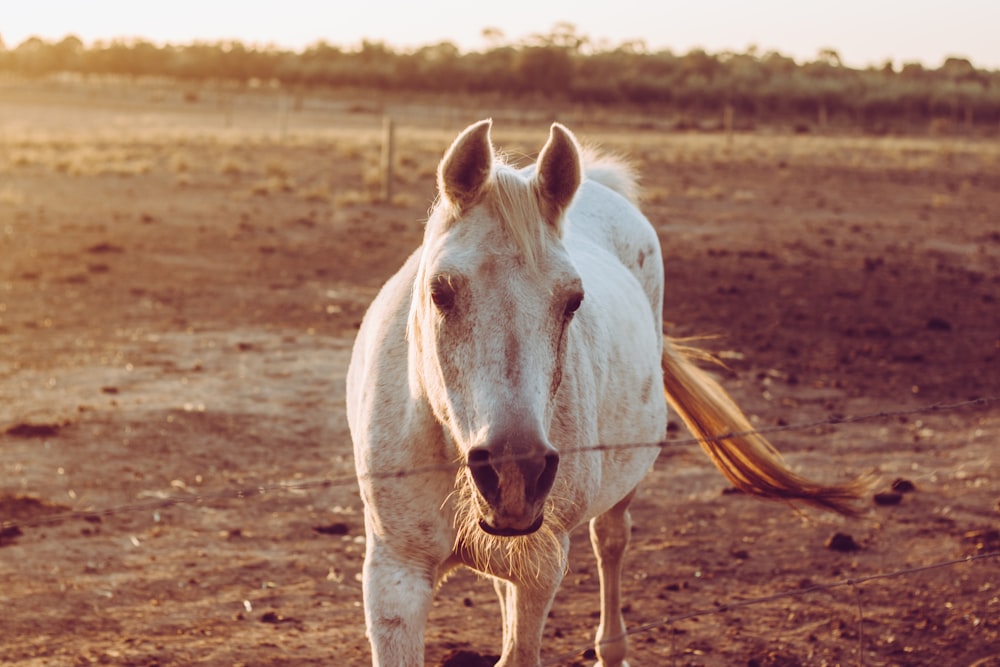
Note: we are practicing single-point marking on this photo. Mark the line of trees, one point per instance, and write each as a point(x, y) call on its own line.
point(564, 66)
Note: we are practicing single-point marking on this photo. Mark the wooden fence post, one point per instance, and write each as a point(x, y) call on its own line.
point(388, 157)
point(728, 112)
point(282, 117)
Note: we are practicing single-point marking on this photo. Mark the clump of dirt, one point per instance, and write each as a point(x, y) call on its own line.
point(16, 512)
point(18, 508)
point(26, 430)
point(463, 658)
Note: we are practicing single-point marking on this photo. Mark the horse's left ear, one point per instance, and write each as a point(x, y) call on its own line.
point(558, 173)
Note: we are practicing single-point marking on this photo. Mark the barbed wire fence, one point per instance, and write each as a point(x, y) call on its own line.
point(12, 527)
point(247, 492)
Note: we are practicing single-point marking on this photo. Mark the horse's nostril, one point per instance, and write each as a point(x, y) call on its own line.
point(548, 476)
point(479, 458)
point(483, 473)
point(512, 479)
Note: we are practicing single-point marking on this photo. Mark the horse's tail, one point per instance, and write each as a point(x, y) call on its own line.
point(744, 456)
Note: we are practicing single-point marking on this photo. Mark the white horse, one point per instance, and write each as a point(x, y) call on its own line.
point(501, 387)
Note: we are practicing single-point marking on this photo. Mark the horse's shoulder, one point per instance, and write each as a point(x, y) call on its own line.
point(615, 223)
point(378, 362)
point(387, 313)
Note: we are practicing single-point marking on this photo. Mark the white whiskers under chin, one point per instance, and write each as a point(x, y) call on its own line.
point(523, 557)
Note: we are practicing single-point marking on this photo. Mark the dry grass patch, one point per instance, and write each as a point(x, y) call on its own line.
point(406, 200)
point(230, 165)
point(179, 162)
point(272, 185)
point(354, 197)
point(655, 194)
point(83, 165)
point(744, 196)
point(708, 192)
point(320, 193)
point(277, 169)
point(940, 200)
point(372, 176)
point(25, 157)
point(11, 196)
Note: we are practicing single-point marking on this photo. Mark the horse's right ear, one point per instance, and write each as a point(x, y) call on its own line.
point(467, 166)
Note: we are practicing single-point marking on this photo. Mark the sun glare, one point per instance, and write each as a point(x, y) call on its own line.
point(864, 33)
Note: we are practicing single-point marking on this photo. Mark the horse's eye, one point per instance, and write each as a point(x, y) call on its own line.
point(443, 295)
point(572, 305)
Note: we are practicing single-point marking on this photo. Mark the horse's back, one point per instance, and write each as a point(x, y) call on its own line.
point(605, 214)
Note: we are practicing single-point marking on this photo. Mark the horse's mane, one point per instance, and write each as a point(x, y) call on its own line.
point(613, 172)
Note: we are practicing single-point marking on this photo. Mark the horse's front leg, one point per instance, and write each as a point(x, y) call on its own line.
point(398, 589)
point(609, 535)
point(525, 607)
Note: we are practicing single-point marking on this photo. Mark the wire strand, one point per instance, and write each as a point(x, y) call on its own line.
point(350, 480)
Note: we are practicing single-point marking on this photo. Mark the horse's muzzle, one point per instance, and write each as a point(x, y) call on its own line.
point(513, 476)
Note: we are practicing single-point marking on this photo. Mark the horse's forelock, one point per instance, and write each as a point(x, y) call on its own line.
point(515, 202)
point(510, 199)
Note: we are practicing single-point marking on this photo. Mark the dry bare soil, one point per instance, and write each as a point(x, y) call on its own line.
point(180, 282)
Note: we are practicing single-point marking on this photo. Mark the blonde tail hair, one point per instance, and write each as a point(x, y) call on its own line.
point(744, 456)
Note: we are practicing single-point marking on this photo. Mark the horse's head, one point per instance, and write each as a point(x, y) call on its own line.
point(493, 299)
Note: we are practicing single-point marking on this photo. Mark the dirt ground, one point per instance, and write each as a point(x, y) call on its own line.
point(180, 281)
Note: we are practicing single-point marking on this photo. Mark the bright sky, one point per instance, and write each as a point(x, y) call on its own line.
point(864, 32)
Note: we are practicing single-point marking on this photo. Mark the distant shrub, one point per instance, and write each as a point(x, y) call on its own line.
point(562, 66)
